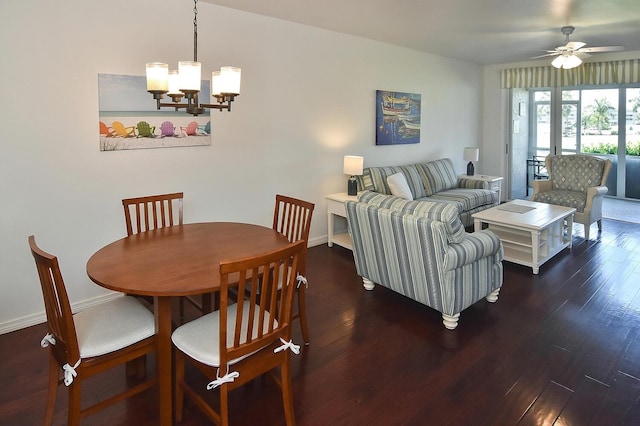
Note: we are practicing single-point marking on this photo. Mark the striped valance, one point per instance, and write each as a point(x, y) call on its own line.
point(596, 73)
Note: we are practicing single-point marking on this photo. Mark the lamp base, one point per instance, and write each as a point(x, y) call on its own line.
point(470, 170)
point(352, 186)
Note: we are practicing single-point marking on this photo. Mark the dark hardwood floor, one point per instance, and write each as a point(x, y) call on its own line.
point(562, 347)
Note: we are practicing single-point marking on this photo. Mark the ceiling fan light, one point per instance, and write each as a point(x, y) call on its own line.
point(572, 61)
point(558, 62)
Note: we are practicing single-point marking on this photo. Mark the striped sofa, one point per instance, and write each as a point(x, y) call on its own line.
point(434, 181)
point(420, 249)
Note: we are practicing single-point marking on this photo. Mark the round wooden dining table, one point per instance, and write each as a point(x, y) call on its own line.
point(176, 261)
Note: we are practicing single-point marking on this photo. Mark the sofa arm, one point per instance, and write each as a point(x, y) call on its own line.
point(475, 246)
point(541, 186)
point(472, 183)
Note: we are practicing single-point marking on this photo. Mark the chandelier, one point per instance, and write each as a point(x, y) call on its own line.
point(185, 82)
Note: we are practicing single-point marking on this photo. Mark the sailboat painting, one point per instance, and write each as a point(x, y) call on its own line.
point(397, 117)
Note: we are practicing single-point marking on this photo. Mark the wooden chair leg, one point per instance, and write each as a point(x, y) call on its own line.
point(287, 393)
point(74, 403)
point(179, 391)
point(302, 313)
point(224, 405)
point(52, 391)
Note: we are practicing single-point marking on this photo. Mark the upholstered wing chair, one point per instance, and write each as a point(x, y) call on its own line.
point(575, 181)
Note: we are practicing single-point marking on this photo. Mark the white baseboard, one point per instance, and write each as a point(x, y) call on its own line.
point(318, 241)
point(39, 318)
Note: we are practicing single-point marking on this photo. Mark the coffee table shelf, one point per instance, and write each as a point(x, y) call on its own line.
point(531, 233)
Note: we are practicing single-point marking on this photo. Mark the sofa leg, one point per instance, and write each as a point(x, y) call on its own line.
point(586, 231)
point(368, 284)
point(600, 225)
point(493, 296)
point(450, 321)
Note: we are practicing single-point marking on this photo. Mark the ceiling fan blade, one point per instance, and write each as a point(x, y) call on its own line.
point(546, 55)
point(581, 54)
point(575, 45)
point(602, 49)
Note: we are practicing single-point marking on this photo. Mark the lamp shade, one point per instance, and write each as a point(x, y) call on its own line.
point(471, 154)
point(189, 72)
point(174, 83)
point(157, 76)
point(230, 80)
point(353, 165)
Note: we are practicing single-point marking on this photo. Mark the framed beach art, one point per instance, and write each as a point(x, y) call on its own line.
point(397, 118)
point(129, 118)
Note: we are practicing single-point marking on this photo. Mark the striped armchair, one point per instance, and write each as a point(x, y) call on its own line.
point(421, 250)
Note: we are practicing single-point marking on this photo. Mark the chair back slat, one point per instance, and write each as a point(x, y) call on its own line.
point(56, 302)
point(292, 218)
point(263, 312)
point(153, 212)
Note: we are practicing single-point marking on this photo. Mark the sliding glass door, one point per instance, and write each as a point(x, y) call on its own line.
point(602, 121)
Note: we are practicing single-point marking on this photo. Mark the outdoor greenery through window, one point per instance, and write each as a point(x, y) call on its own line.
point(603, 121)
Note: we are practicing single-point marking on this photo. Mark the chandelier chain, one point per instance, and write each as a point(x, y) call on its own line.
point(195, 30)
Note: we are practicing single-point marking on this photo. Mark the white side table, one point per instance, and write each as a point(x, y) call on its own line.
point(335, 207)
point(495, 182)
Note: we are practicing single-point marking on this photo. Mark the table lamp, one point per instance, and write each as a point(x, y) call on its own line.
point(353, 167)
point(471, 155)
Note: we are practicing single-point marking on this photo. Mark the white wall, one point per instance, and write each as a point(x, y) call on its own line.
point(307, 99)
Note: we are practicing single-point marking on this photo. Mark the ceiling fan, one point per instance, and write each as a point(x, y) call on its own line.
point(571, 54)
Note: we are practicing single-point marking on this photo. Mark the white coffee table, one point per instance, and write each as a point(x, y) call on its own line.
point(531, 232)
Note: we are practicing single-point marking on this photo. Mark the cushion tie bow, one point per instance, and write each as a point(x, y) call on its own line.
point(287, 345)
point(227, 378)
point(70, 372)
point(301, 280)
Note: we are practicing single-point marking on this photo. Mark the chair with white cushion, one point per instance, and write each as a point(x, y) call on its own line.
point(245, 338)
point(90, 342)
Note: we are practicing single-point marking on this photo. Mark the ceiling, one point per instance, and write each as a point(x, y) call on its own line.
point(479, 31)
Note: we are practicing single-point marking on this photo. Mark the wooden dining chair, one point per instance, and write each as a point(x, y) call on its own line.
point(94, 340)
point(292, 218)
point(247, 337)
point(143, 214)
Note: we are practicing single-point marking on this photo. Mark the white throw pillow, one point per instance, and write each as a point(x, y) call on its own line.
point(399, 186)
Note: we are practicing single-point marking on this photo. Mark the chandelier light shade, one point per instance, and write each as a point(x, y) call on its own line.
point(471, 155)
point(186, 80)
point(157, 77)
point(353, 165)
point(566, 61)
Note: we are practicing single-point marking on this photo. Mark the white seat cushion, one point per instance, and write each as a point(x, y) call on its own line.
point(112, 325)
point(200, 339)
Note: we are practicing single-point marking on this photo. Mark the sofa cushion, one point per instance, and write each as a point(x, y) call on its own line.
point(563, 197)
point(375, 179)
point(443, 212)
point(466, 199)
point(576, 172)
point(438, 175)
point(399, 186)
